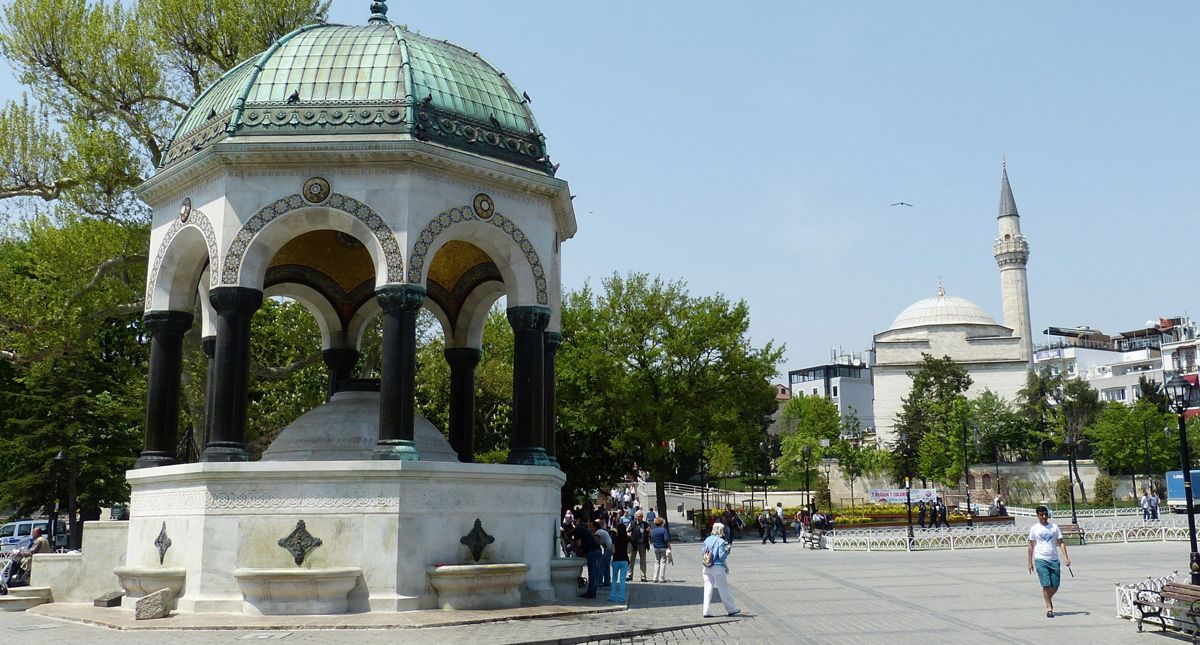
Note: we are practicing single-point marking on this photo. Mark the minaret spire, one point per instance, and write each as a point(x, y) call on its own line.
point(1011, 251)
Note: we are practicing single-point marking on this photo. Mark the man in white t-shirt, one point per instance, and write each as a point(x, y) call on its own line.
point(1044, 541)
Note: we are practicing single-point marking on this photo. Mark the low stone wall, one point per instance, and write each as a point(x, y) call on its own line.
point(75, 578)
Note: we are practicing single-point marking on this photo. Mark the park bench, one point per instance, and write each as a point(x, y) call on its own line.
point(1073, 531)
point(1184, 601)
point(812, 538)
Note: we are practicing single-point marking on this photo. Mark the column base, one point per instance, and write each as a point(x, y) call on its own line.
point(554, 462)
point(225, 452)
point(529, 457)
point(396, 450)
point(155, 459)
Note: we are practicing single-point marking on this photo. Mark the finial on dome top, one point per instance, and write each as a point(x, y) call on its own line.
point(378, 11)
point(941, 289)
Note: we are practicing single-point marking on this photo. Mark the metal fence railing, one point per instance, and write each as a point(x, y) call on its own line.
point(991, 537)
point(1127, 593)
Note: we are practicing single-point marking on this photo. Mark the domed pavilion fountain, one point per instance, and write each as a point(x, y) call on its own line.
point(362, 171)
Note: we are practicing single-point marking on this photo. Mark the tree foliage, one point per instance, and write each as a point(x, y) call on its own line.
point(930, 423)
point(654, 371)
point(806, 422)
point(1003, 435)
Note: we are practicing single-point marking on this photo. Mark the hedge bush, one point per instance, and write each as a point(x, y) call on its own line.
point(1104, 488)
point(1062, 490)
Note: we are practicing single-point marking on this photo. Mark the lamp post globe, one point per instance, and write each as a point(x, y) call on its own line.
point(1180, 392)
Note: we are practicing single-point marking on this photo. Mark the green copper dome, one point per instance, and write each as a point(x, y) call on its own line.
point(378, 78)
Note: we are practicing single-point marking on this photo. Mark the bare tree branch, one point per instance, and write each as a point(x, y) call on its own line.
point(103, 269)
point(280, 373)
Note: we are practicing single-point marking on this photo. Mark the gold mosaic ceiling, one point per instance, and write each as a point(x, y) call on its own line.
point(339, 256)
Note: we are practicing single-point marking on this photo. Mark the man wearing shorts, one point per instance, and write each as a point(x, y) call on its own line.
point(1044, 541)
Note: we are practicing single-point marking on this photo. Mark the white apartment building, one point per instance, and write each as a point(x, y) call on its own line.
point(846, 381)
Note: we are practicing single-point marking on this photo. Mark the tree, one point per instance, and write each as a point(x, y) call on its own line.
point(1035, 402)
point(1003, 433)
point(934, 408)
point(1078, 408)
point(721, 463)
point(1152, 392)
point(1127, 440)
point(807, 421)
point(854, 459)
point(655, 370)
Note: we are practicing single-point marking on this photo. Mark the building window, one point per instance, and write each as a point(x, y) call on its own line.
point(835, 390)
point(1114, 394)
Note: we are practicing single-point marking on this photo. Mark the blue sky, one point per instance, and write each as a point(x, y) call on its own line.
point(754, 150)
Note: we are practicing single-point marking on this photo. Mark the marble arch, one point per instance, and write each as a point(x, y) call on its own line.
point(185, 252)
point(500, 237)
point(266, 231)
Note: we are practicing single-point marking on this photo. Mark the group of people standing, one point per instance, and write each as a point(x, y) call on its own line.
point(613, 545)
point(935, 510)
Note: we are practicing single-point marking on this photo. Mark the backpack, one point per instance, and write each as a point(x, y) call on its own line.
point(706, 558)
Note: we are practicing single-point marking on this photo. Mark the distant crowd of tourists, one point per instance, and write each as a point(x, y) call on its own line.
point(613, 543)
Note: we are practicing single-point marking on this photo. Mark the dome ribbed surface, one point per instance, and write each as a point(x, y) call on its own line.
point(942, 310)
point(325, 80)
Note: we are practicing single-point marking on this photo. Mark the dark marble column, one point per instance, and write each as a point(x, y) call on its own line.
point(340, 363)
point(462, 362)
point(551, 342)
point(162, 397)
point(528, 324)
point(235, 306)
point(208, 345)
point(397, 379)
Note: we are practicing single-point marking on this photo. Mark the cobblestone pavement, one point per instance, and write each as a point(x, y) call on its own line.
point(789, 595)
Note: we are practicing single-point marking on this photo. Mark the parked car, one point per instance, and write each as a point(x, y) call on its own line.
point(19, 534)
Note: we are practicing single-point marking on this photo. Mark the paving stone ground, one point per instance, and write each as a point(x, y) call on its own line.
point(790, 595)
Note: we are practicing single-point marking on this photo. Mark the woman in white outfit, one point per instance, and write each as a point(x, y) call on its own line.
point(715, 574)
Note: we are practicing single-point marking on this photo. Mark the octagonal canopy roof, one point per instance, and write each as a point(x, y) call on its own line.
point(324, 80)
point(941, 310)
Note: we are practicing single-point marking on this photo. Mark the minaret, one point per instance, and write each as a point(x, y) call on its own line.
point(1012, 254)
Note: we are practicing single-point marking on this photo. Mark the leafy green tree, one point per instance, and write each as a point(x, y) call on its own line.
point(1002, 433)
point(1128, 440)
point(855, 459)
point(721, 462)
point(1152, 392)
point(659, 372)
point(1079, 405)
point(934, 408)
point(1035, 402)
point(807, 421)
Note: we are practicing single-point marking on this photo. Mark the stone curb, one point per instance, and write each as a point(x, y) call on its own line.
point(629, 633)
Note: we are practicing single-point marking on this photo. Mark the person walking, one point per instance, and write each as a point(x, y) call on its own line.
point(921, 513)
point(1045, 539)
point(942, 514)
point(1154, 504)
point(1145, 504)
point(620, 564)
point(660, 539)
point(639, 543)
point(714, 553)
point(765, 526)
point(780, 525)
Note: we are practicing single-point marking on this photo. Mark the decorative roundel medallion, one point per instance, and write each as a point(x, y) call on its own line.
point(484, 206)
point(316, 190)
point(185, 209)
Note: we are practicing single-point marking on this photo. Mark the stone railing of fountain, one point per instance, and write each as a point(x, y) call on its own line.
point(285, 591)
point(139, 581)
point(478, 586)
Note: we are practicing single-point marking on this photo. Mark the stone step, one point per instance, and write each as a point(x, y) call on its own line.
point(21, 603)
point(30, 592)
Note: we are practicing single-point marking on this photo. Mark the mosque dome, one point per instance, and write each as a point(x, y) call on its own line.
point(942, 310)
point(325, 80)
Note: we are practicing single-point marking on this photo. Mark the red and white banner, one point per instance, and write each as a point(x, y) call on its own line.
point(900, 495)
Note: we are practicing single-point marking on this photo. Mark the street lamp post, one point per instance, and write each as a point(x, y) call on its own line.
point(1180, 392)
point(966, 476)
point(807, 451)
point(828, 484)
point(908, 496)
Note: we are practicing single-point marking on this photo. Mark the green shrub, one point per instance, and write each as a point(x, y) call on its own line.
point(1062, 490)
point(823, 496)
point(1104, 489)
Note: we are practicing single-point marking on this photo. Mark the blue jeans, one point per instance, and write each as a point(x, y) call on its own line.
point(594, 557)
point(605, 563)
point(619, 569)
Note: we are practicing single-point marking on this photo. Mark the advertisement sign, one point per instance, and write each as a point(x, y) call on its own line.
point(900, 496)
